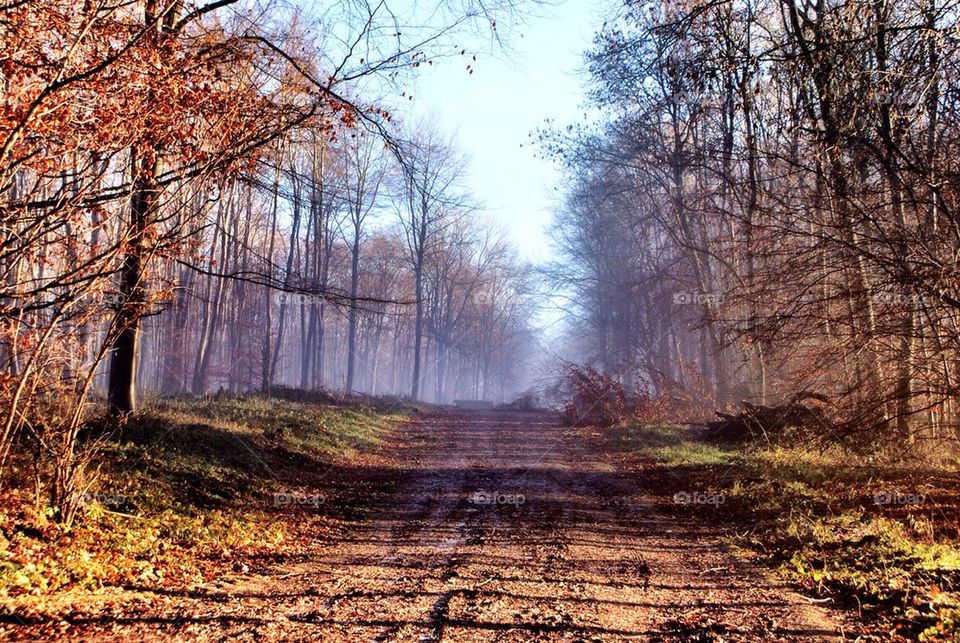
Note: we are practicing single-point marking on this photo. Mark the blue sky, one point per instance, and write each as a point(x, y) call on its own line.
point(510, 94)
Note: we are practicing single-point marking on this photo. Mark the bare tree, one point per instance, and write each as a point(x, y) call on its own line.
point(366, 169)
point(433, 199)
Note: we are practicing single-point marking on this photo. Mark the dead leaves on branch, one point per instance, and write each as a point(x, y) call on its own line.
point(198, 96)
point(592, 398)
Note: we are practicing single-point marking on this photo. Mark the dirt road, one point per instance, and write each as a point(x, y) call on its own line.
point(494, 526)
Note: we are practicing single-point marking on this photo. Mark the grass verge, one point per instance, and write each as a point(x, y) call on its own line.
point(883, 539)
point(190, 489)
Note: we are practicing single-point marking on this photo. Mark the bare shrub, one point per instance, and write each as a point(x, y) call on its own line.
point(590, 397)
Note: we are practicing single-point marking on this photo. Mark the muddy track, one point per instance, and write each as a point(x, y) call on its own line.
point(495, 526)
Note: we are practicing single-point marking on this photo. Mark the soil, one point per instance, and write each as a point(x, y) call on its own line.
point(476, 526)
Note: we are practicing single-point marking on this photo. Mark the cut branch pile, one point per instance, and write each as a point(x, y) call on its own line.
point(766, 422)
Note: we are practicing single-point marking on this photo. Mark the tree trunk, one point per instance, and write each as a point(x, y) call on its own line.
point(417, 331)
point(352, 316)
point(121, 386)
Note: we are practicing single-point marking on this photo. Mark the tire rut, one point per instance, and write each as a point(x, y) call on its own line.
point(496, 526)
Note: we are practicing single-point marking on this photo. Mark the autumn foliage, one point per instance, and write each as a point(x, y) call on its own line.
point(106, 106)
point(591, 397)
point(772, 196)
point(174, 182)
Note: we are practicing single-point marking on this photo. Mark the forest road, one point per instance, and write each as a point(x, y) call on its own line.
point(500, 526)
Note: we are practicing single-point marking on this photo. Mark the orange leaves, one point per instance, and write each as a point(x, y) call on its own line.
point(27, 339)
point(195, 97)
point(592, 398)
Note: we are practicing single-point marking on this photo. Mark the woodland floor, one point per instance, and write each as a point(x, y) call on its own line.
point(594, 553)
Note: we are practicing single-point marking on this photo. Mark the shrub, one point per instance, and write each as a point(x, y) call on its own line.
point(591, 397)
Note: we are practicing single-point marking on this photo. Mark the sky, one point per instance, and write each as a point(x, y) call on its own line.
point(492, 112)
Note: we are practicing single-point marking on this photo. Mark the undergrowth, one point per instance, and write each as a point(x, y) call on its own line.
point(185, 488)
point(879, 537)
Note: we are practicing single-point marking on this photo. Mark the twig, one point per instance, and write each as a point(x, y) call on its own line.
point(120, 513)
point(828, 599)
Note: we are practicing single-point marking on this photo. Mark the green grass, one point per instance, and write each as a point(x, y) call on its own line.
point(812, 516)
point(323, 430)
point(673, 445)
point(188, 484)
